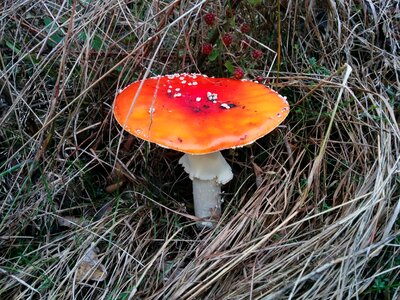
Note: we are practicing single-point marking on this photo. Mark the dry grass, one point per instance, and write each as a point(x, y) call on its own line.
point(312, 212)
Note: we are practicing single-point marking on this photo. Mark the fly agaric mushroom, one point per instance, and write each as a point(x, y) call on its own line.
point(200, 116)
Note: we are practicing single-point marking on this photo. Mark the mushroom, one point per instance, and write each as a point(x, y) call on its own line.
point(200, 116)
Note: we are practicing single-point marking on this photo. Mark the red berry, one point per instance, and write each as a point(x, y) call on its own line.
point(206, 49)
point(227, 39)
point(256, 54)
point(209, 18)
point(238, 73)
point(260, 79)
point(245, 28)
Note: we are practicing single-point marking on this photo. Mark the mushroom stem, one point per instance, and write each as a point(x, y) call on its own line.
point(207, 201)
point(208, 172)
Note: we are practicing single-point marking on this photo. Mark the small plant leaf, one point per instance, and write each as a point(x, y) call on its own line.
point(13, 47)
point(229, 66)
point(96, 43)
point(213, 56)
point(17, 50)
point(51, 26)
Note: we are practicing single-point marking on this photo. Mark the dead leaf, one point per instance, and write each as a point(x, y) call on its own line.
point(259, 174)
point(113, 187)
point(90, 268)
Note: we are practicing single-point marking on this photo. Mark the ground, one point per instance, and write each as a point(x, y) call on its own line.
point(88, 211)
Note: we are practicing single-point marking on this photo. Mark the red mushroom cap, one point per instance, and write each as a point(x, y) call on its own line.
point(195, 114)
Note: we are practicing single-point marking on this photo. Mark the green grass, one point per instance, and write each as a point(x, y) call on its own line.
point(312, 211)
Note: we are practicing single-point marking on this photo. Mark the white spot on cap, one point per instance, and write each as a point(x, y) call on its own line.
point(177, 95)
point(177, 89)
point(182, 78)
point(169, 91)
point(198, 99)
point(183, 81)
point(194, 83)
point(212, 97)
point(226, 106)
point(171, 76)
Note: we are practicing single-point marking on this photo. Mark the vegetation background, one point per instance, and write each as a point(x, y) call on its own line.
point(89, 212)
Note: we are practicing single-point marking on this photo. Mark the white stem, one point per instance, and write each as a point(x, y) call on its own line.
point(208, 172)
point(207, 201)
